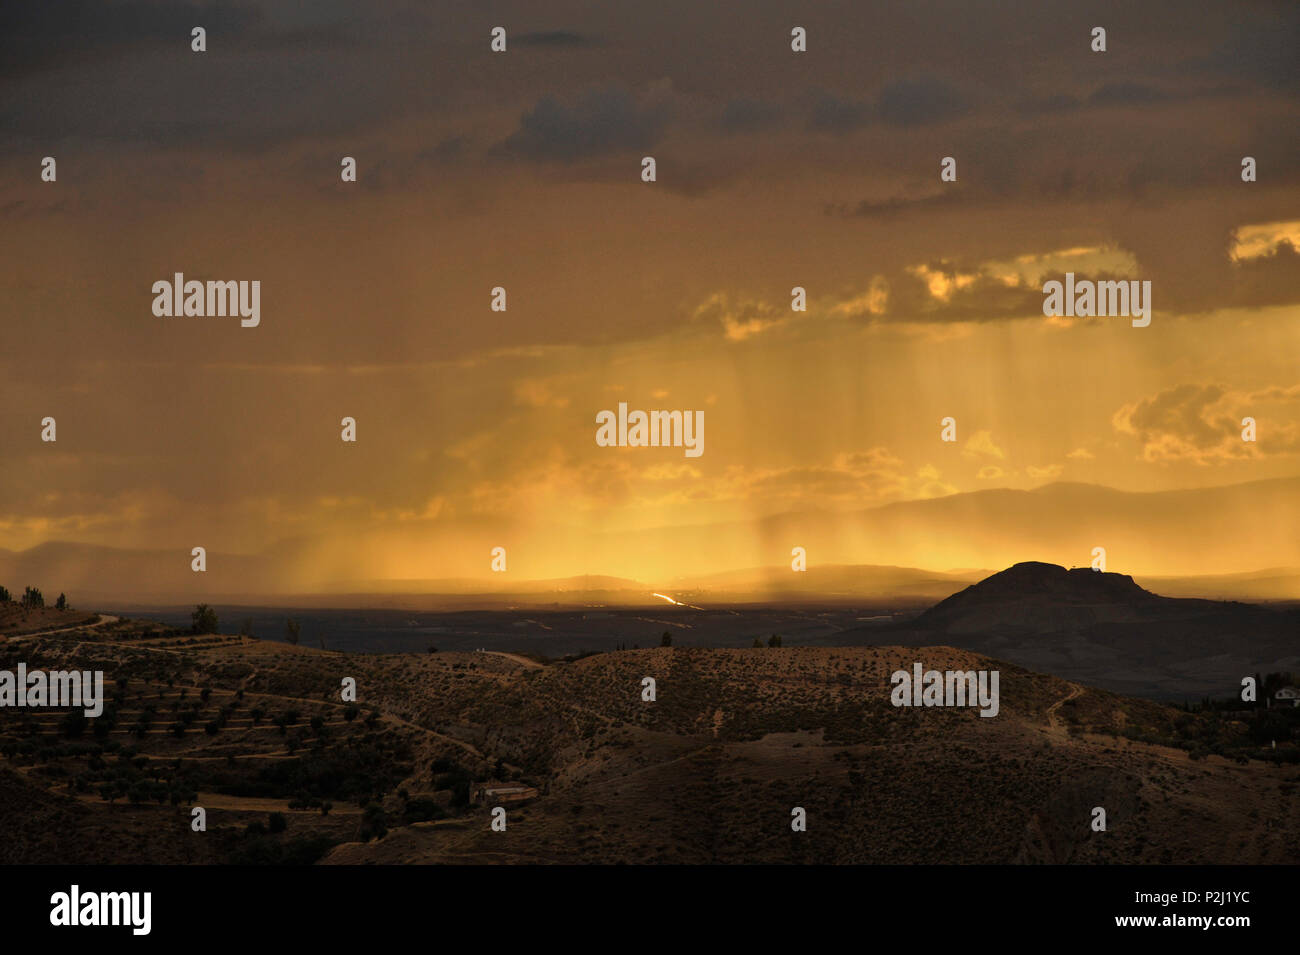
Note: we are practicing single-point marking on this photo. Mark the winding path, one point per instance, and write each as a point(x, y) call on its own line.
point(1052, 723)
point(104, 620)
point(526, 663)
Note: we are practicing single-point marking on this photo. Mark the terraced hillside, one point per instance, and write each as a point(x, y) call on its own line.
point(259, 736)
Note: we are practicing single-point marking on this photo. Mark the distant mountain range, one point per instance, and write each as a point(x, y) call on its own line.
point(110, 577)
point(1204, 542)
point(835, 583)
point(1227, 530)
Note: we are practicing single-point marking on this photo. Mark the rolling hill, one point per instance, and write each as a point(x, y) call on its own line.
point(1104, 629)
point(710, 771)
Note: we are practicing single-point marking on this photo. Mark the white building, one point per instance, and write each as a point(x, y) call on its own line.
point(1287, 696)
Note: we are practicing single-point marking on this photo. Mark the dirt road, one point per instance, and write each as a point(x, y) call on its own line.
point(104, 620)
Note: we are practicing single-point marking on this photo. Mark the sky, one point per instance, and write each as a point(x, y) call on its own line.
point(522, 169)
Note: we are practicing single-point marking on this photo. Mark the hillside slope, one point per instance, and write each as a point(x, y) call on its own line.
point(707, 773)
point(1105, 630)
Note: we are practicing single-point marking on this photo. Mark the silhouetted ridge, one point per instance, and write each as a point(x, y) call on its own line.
point(1036, 594)
point(1035, 577)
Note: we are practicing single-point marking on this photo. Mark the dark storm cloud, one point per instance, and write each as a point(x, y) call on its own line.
point(749, 115)
point(1119, 94)
point(1051, 139)
point(1270, 279)
point(1264, 51)
point(890, 208)
point(383, 169)
point(40, 34)
point(600, 122)
point(1126, 94)
point(553, 39)
point(985, 299)
point(832, 113)
point(1062, 161)
point(449, 150)
point(395, 170)
point(122, 72)
point(1052, 103)
point(921, 102)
